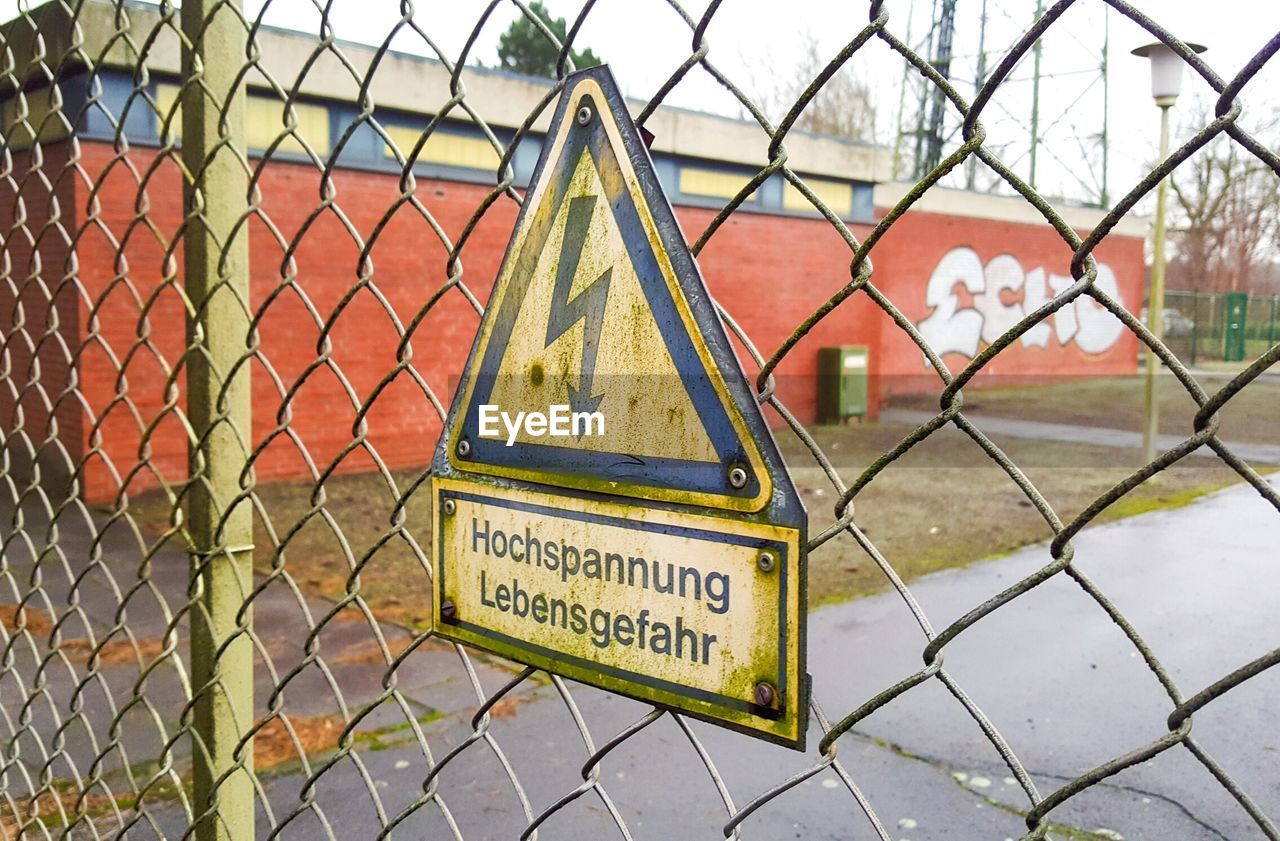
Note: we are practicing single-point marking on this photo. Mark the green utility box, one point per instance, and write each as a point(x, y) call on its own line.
point(1237, 317)
point(842, 383)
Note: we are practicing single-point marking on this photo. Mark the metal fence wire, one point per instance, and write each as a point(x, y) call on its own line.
point(180, 664)
point(1200, 331)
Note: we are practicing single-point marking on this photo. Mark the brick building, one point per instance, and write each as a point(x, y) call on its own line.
point(92, 289)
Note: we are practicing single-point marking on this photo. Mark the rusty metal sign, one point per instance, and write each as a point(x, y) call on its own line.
point(609, 503)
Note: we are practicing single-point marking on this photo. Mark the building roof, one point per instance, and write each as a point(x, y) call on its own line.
point(418, 84)
point(1002, 208)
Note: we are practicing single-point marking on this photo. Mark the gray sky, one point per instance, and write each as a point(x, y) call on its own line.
point(757, 41)
point(753, 42)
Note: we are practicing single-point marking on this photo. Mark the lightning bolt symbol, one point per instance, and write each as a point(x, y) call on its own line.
point(587, 307)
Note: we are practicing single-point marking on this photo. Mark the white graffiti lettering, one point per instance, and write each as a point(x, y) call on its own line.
point(1003, 294)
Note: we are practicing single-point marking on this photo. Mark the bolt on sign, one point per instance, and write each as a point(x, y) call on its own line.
point(608, 502)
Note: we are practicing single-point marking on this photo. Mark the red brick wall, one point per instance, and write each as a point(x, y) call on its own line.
point(40, 316)
point(991, 272)
point(335, 282)
point(134, 326)
point(326, 340)
point(770, 273)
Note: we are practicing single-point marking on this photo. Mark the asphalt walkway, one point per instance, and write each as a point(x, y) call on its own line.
point(1051, 669)
point(1053, 672)
point(1099, 435)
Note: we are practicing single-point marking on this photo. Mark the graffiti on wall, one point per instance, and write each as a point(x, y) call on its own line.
point(1000, 294)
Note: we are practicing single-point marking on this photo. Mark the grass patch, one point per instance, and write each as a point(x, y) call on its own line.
point(394, 735)
point(1130, 506)
point(946, 504)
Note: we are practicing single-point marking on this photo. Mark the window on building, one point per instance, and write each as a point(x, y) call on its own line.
point(264, 122)
point(711, 183)
point(166, 100)
point(445, 148)
point(837, 195)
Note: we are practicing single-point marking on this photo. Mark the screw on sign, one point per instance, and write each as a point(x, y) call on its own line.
point(658, 551)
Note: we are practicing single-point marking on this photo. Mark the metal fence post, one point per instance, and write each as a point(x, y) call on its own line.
point(221, 528)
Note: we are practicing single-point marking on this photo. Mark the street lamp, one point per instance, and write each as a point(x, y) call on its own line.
point(1166, 84)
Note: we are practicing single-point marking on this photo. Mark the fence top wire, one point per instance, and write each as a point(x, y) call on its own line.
point(101, 714)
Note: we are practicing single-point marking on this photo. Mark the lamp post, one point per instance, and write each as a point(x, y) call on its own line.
point(1166, 84)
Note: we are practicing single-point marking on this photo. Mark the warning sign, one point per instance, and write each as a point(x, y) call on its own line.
point(609, 503)
point(592, 311)
point(690, 612)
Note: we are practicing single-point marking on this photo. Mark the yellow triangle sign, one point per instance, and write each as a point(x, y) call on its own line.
point(604, 435)
point(601, 364)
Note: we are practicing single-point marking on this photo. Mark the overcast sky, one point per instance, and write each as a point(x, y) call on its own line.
point(756, 42)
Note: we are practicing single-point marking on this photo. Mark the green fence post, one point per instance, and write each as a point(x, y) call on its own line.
point(1236, 318)
point(216, 253)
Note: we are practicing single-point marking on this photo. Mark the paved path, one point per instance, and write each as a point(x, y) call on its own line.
point(1068, 690)
point(1099, 435)
point(1202, 374)
point(37, 690)
point(1053, 672)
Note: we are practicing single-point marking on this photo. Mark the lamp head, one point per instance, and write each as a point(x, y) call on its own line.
point(1166, 70)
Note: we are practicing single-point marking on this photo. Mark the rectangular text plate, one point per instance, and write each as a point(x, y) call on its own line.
point(701, 614)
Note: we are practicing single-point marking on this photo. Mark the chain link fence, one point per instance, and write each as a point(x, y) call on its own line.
point(178, 659)
point(1217, 327)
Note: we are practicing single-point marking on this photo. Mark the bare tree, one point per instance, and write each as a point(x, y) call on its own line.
point(1226, 217)
point(845, 107)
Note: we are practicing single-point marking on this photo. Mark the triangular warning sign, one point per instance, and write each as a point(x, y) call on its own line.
point(603, 432)
point(601, 364)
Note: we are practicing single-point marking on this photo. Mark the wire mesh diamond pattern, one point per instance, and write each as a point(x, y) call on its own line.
point(129, 513)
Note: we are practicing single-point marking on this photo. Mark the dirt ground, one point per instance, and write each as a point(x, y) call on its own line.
point(945, 504)
point(1249, 416)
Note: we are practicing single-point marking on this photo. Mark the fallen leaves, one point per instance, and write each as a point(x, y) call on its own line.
point(38, 622)
point(274, 743)
point(118, 650)
point(508, 707)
